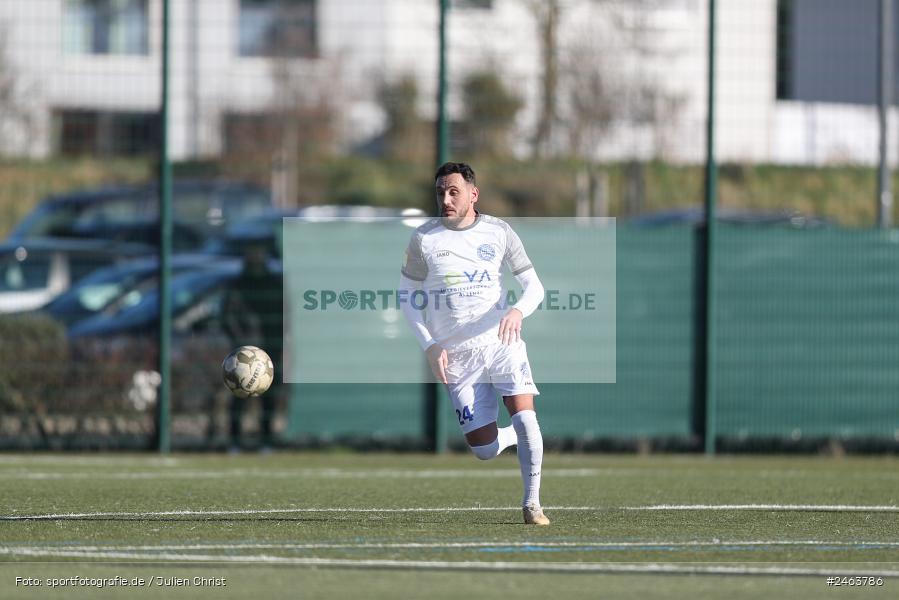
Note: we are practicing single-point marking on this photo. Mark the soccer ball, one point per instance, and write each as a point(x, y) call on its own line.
point(248, 371)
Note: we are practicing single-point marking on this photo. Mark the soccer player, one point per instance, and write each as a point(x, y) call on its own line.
point(452, 297)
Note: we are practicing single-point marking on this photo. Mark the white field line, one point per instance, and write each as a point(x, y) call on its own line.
point(88, 461)
point(270, 511)
point(299, 473)
point(568, 567)
point(432, 509)
point(772, 507)
point(452, 545)
point(166, 472)
point(67, 461)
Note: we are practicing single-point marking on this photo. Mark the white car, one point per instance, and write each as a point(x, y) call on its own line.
point(35, 272)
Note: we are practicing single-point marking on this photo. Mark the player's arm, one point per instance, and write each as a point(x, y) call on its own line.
point(437, 356)
point(414, 272)
point(518, 262)
point(531, 296)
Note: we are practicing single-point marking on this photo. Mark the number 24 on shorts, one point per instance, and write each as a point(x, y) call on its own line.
point(464, 415)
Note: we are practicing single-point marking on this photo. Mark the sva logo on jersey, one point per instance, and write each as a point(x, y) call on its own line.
point(455, 278)
point(486, 252)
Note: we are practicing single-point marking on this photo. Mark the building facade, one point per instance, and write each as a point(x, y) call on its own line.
point(631, 76)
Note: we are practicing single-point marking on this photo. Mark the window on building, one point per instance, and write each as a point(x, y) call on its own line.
point(105, 27)
point(105, 133)
point(827, 51)
point(784, 74)
point(277, 28)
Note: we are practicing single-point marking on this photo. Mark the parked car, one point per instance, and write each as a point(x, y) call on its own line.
point(119, 285)
point(34, 272)
point(117, 349)
point(196, 300)
point(201, 209)
point(263, 229)
point(119, 345)
point(266, 229)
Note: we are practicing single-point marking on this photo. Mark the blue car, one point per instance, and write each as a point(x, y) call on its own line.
point(119, 345)
point(117, 287)
point(196, 295)
point(202, 209)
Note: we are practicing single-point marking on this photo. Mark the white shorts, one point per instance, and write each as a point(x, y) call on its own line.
point(476, 378)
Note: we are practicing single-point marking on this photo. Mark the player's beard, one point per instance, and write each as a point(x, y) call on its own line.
point(453, 220)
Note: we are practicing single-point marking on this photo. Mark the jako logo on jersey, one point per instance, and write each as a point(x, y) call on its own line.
point(486, 252)
point(442, 254)
point(454, 278)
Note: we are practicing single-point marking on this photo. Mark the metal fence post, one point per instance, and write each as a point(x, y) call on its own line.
point(163, 431)
point(885, 101)
point(435, 420)
point(711, 193)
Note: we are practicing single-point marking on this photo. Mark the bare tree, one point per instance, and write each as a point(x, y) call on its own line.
point(594, 81)
point(591, 103)
point(305, 109)
point(490, 111)
point(546, 14)
point(407, 136)
point(17, 120)
point(301, 122)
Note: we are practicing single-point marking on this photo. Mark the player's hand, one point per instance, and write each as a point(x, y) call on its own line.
point(438, 359)
point(510, 327)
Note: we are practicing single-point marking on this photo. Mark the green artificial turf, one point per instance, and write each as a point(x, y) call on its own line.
point(398, 525)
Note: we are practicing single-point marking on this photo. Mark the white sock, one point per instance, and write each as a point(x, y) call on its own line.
point(505, 437)
point(530, 454)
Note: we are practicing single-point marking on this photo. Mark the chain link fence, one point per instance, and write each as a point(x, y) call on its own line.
point(565, 108)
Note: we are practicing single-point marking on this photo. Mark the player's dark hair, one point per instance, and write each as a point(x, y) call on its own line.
point(463, 169)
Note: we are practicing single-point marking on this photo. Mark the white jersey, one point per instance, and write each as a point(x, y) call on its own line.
point(459, 271)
